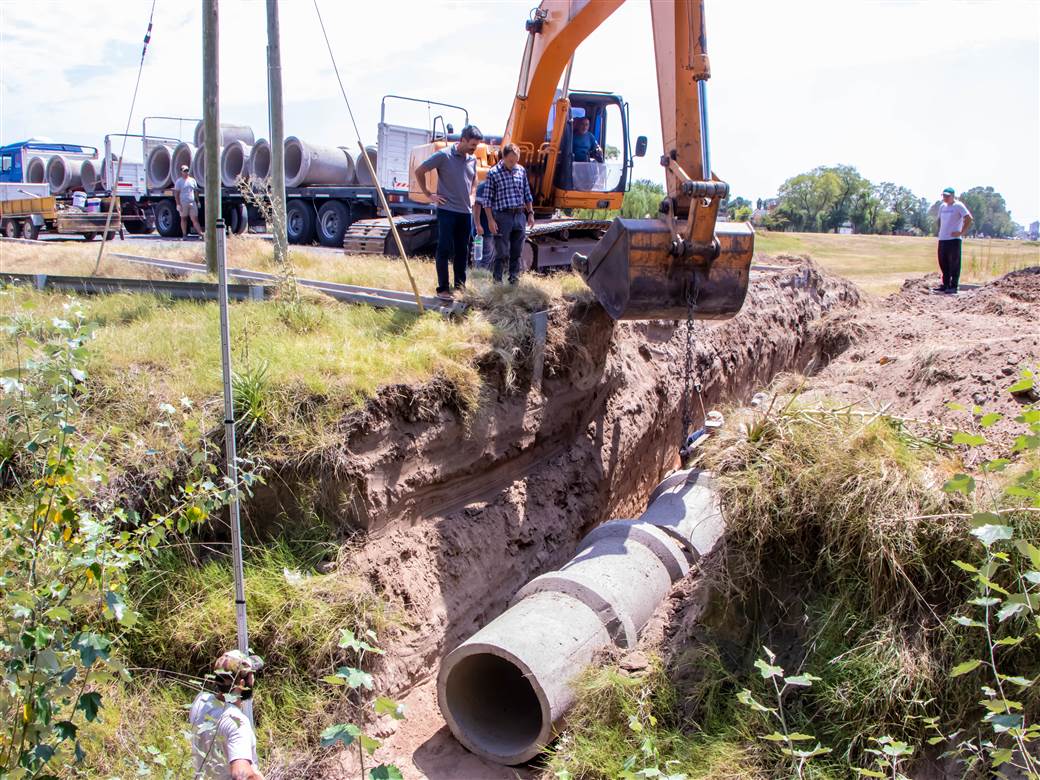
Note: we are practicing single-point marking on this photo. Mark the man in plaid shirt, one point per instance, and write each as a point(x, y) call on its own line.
point(508, 197)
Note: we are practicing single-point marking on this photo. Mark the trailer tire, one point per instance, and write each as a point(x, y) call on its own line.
point(299, 222)
point(333, 221)
point(167, 220)
point(242, 225)
point(139, 220)
point(11, 228)
point(30, 232)
point(89, 236)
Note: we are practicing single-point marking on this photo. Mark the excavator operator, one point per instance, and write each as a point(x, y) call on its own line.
point(583, 143)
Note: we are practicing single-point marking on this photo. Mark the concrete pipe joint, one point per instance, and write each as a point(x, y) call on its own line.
point(198, 166)
point(159, 170)
point(228, 133)
point(183, 154)
point(309, 164)
point(364, 178)
point(63, 174)
point(502, 690)
point(234, 162)
point(260, 160)
point(90, 175)
point(36, 170)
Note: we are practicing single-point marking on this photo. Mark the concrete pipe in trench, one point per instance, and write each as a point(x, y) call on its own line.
point(90, 175)
point(63, 174)
point(159, 170)
point(36, 171)
point(234, 162)
point(364, 178)
point(310, 164)
point(183, 154)
point(502, 689)
point(260, 159)
point(228, 133)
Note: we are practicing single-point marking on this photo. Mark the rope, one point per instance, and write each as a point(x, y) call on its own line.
point(113, 200)
point(368, 164)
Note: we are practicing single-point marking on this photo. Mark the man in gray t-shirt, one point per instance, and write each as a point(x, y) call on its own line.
point(456, 182)
point(184, 189)
point(954, 221)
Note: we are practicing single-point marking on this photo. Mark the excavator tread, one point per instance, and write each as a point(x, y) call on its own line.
point(559, 225)
point(369, 236)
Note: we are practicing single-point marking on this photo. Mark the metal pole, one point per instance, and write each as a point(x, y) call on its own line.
point(211, 120)
point(274, 94)
point(230, 448)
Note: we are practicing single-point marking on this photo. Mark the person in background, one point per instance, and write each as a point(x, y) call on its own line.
point(480, 222)
point(954, 221)
point(456, 179)
point(508, 196)
point(223, 743)
point(583, 143)
point(186, 191)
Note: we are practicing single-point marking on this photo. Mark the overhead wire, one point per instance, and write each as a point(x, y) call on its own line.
point(113, 200)
point(368, 164)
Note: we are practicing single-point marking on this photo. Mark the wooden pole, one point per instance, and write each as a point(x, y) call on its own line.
point(274, 95)
point(211, 123)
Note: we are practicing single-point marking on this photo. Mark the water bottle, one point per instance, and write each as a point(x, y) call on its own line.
point(478, 250)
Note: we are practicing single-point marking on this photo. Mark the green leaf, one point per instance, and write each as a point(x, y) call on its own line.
point(968, 439)
point(867, 772)
point(992, 585)
point(356, 678)
point(341, 732)
point(368, 744)
point(1021, 682)
point(988, 534)
point(1023, 384)
point(91, 647)
point(955, 407)
point(745, 697)
point(999, 756)
point(1009, 641)
point(89, 703)
point(988, 419)
point(985, 601)
point(964, 668)
point(1009, 611)
point(387, 706)
point(960, 483)
point(796, 736)
point(65, 729)
point(768, 670)
point(334, 679)
point(385, 772)
point(965, 566)
point(968, 622)
point(1031, 551)
point(805, 680)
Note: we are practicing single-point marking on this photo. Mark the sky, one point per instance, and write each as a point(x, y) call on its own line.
point(926, 94)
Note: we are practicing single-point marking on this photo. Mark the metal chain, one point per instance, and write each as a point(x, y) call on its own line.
point(689, 385)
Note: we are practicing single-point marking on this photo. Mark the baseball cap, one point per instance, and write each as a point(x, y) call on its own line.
point(184, 169)
point(949, 191)
point(235, 662)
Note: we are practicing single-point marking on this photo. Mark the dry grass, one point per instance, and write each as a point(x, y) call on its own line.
point(879, 264)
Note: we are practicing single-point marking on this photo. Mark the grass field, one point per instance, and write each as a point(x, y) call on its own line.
point(879, 264)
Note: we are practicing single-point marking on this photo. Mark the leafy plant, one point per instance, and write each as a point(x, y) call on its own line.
point(357, 681)
point(66, 550)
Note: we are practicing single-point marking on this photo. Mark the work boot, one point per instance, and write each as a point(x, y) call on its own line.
point(950, 291)
point(445, 295)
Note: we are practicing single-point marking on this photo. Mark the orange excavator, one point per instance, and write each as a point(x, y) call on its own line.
point(681, 264)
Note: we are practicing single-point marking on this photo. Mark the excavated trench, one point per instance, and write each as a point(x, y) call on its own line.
point(461, 510)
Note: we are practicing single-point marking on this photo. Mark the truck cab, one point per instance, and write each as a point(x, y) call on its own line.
point(26, 161)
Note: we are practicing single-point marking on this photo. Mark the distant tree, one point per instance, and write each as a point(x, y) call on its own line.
point(806, 199)
point(741, 214)
point(990, 213)
point(851, 186)
point(642, 199)
point(732, 206)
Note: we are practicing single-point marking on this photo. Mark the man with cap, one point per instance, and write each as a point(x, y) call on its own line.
point(223, 743)
point(185, 188)
point(954, 221)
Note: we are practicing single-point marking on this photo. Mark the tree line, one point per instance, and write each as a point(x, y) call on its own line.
point(828, 198)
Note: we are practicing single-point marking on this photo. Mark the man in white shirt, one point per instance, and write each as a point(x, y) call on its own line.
point(223, 743)
point(187, 205)
point(954, 221)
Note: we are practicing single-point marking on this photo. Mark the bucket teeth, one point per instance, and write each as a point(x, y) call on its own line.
point(635, 276)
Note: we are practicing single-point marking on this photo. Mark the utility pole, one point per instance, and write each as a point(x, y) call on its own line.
point(274, 95)
point(211, 123)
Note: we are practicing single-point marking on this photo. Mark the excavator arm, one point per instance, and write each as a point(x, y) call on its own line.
point(681, 263)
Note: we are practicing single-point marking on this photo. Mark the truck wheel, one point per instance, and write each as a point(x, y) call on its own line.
point(30, 231)
point(89, 236)
point(11, 228)
point(243, 220)
point(139, 220)
point(167, 220)
point(299, 222)
point(333, 221)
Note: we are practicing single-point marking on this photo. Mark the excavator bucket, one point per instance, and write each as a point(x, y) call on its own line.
point(635, 276)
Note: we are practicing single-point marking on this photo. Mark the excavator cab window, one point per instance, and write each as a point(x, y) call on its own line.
point(598, 163)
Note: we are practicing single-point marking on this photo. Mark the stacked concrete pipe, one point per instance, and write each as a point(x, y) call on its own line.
point(364, 178)
point(198, 166)
point(90, 175)
point(159, 170)
point(63, 174)
point(234, 162)
point(36, 171)
point(183, 154)
point(307, 163)
point(260, 160)
point(228, 133)
point(502, 690)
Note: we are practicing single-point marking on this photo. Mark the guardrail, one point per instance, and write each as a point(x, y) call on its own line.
point(95, 285)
